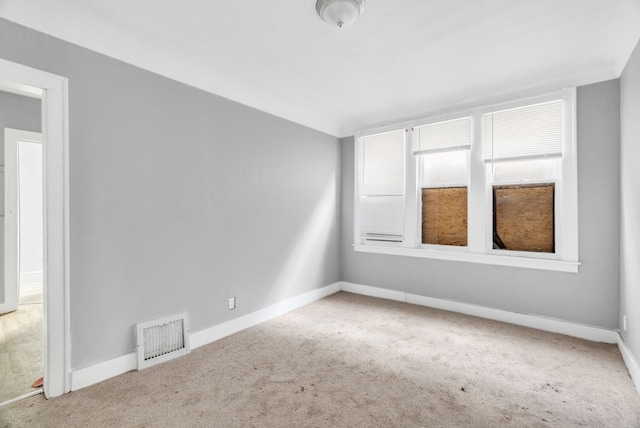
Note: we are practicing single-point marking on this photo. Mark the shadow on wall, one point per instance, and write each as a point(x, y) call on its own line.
point(306, 260)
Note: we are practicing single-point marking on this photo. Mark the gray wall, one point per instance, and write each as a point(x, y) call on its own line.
point(589, 297)
point(16, 112)
point(630, 190)
point(180, 198)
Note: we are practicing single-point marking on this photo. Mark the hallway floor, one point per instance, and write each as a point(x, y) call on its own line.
point(21, 344)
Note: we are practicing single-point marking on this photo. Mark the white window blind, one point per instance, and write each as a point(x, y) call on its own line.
point(530, 132)
point(443, 136)
point(381, 202)
point(383, 164)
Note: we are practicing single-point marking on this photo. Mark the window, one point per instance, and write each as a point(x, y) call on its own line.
point(381, 184)
point(442, 149)
point(524, 145)
point(495, 185)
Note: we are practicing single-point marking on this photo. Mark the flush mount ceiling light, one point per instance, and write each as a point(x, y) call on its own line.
point(340, 13)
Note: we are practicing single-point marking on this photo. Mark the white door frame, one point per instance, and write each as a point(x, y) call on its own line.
point(53, 91)
point(12, 139)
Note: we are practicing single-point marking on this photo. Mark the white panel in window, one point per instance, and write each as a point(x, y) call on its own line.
point(526, 171)
point(445, 168)
point(382, 216)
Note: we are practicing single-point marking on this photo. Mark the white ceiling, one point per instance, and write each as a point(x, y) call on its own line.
point(401, 59)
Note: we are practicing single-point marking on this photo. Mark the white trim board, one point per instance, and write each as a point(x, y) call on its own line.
point(31, 277)
point(22, 397)
point(219, 331)
point(630, 361)
point(13, 278)
point(95, 373)
point(488, 259)
point(595, 334)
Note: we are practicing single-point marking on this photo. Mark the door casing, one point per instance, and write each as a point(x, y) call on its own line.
point(12, 138)
point(53, 91)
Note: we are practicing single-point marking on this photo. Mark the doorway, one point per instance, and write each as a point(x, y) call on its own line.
point(52, 91)
point(21, 329)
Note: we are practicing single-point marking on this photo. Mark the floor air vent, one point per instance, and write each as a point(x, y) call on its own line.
point(162, 339)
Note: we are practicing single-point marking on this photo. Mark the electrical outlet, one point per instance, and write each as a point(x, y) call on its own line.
point(232, 302)
point(624, 322)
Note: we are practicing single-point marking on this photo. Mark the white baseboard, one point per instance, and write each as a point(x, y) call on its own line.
point(28, 277)
point(595, 334)
point(87, 376)
point(5, 308)
point(366, 290)
point(219, 331)
point(630, 361)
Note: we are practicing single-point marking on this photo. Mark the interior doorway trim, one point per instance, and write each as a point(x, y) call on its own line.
point(12, 276)
point(53, 91)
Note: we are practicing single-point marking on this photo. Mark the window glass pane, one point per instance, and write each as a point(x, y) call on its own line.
point(531, 170)
point(445, 168)
point(523, 218)
point(444, 216)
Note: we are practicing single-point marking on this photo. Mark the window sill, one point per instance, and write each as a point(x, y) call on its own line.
point(487, 259)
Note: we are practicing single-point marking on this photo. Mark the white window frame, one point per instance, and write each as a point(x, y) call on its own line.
point(358, 239)
point(480, 216)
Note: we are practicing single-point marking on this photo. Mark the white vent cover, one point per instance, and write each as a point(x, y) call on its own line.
point(162, 339)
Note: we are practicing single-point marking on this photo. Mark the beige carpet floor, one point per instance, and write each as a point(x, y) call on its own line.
point(354, 361)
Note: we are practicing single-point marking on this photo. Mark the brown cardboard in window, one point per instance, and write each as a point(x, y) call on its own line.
point(444, 216)
point(524, 217)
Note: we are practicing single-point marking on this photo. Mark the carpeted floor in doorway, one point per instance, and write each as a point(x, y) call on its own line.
point(354, 361)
